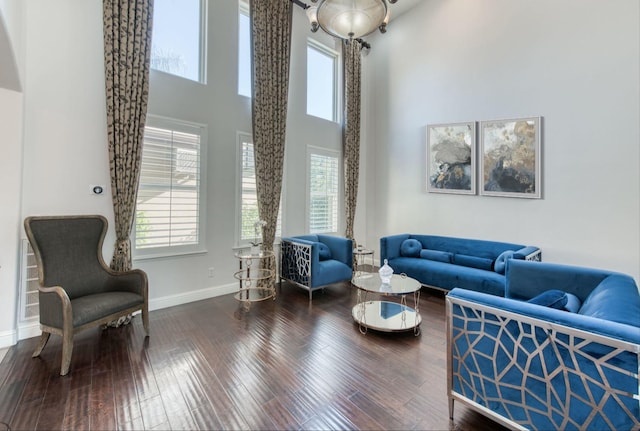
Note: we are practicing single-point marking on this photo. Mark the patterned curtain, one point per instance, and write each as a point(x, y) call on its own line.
point(351, 50)
point(127, 47)
point(271, 39)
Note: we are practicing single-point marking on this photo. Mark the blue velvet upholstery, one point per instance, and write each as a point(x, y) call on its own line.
point(543, 368)
point(440, 256)
point(302, 264)
point(446, 262)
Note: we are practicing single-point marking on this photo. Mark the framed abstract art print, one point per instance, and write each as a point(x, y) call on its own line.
point(510, 158)
point(451, 158)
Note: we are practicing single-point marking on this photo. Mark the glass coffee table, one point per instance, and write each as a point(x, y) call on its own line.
point(387, 316)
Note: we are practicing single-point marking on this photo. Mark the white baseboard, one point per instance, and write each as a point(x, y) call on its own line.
point(32, 328)
point(7, 339)
point(187, 297)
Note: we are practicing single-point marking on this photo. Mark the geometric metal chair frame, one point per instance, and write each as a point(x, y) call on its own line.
point(77, 290)
point(530, 373)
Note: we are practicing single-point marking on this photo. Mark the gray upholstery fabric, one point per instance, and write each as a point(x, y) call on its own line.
point(93, 307)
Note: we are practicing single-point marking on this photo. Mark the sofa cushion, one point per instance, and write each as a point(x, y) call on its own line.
point(473, 261)
point(557, 299)
point(501, 261)
point(324, 253)
point(410, 248)
point(437, 255)
point(615, 298)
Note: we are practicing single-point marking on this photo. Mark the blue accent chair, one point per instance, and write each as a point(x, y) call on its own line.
point(314, 261)
point(540, 367)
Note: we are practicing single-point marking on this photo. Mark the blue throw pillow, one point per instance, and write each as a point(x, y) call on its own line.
point(410, 248)
point(323, 251)
point(437, 255)
point(500, 264)
point(550, 298)
point(557, 299)
point(473, 261)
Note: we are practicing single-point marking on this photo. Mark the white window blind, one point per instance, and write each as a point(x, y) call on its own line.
point(168, 210)
point(323, 193)
point(249, 196)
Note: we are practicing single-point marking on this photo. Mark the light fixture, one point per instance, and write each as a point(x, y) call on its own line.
point(349, 19)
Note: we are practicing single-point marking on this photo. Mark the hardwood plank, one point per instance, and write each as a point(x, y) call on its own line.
point(284, 364)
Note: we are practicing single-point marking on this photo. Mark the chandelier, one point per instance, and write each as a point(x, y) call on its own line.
point(349, 19)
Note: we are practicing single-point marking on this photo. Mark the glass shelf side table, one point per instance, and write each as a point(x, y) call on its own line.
point(361, 255)
point(256, 277)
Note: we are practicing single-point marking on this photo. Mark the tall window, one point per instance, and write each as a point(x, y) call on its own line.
point(248, 196)
point(244, 49)
point(179, 32)
point(322, 81)
point(169, 210)
point(323, 191)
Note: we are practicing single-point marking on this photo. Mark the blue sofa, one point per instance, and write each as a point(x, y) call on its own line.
point(314, 261)
point(541, 367)
point(446, 262)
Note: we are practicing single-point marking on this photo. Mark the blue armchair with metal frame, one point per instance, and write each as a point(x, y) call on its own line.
point(315, 261)
point(561, 350)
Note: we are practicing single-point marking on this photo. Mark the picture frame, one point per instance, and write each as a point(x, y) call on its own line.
point(510, 158)
point(451, 158)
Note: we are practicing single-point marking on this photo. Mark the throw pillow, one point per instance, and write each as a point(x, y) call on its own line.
point(473, 261)
point(550, 298)
point(323, 251)
point(500, 264)
point(410, 248)
point(558, 299)
point(437, 255)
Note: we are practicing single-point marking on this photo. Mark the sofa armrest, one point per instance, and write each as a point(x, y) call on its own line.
point(297, 260)
point(528, 253)
point(507, 358)
point(341, 248)
point(390, 246)
point(525, 279)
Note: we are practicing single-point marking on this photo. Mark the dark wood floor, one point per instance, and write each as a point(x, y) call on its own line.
point(284, 364)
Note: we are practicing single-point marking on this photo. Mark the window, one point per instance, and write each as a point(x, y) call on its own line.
point(248, 197)
point(169, 210)
point(322, 81)
point(244, 50)
point(179, 32)
point(323, 191)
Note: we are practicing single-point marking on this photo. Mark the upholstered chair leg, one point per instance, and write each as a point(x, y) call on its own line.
point(43, 342)
point(67, 350)
point(145, 320)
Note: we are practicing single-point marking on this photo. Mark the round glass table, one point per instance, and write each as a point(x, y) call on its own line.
point(387, 316)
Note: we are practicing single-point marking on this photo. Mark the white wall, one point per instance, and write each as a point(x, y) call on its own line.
point(11, 106)
point(575, 63)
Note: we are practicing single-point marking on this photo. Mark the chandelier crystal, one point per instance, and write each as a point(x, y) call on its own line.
point(349, 19)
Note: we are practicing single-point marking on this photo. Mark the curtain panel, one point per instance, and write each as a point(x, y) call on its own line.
point(351, 50)
point(127, 30)
point(271, 43)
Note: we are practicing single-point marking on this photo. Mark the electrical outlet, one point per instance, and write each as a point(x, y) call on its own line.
point(211, 272)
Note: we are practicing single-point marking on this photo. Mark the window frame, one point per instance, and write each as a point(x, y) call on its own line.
point(244, 10)
point(201, 130)
point(241, 138)
point(337, 85)
point(325, 152)
point(202, 52)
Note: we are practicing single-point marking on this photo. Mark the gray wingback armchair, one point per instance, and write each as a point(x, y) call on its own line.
point(77, 290)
